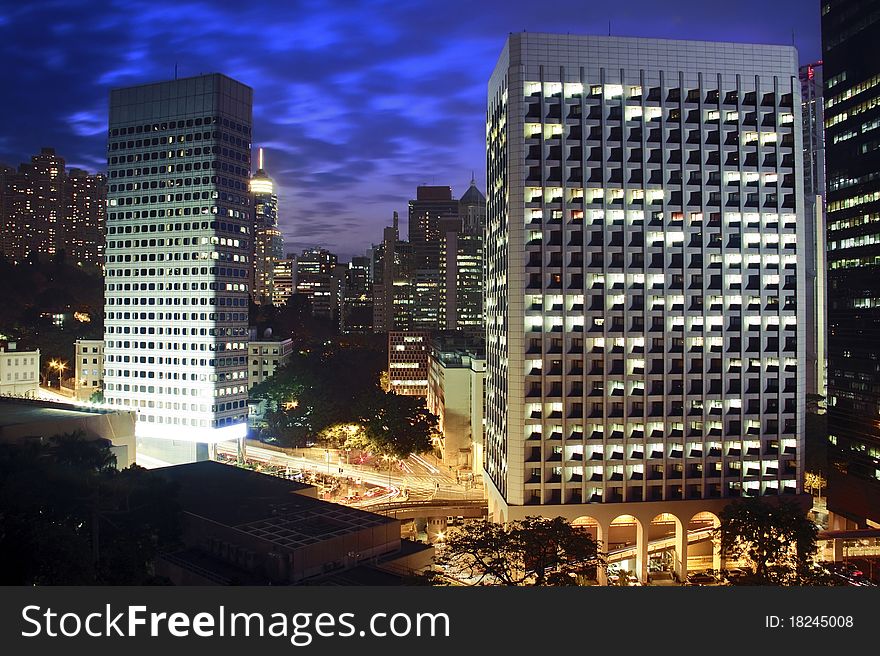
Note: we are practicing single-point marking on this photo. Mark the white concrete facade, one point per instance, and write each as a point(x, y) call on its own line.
point(266, 357)
point(645, 204)
point(88, 367)
point(454, 380)
point(19, 372)
point(178, 258)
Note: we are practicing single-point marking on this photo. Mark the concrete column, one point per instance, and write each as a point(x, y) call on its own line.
point(602, 536)
point(681, 551)
point(641, 552)
point(838, 549)
point(436, 525)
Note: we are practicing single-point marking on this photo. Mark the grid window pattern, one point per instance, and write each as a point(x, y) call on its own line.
point(642, 273)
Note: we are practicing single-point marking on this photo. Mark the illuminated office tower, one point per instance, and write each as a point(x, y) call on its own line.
point(850, 37)
point(431, 206)
point(317, 279)
point(178, 243)
point(284, 280)
point(268, 242)
point(644, 351)
point(461, 264)
point(356, 298)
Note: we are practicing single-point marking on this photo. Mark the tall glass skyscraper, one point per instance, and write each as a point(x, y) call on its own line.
point(850, 34)
point(268, 242)
point(179, 231)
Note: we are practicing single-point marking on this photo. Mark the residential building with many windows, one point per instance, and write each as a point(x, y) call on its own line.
point(48, 209)
point(19, 371)
point(266, 356)
point(88, 368)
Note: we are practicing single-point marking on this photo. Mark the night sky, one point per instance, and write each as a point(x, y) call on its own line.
point(356, 102)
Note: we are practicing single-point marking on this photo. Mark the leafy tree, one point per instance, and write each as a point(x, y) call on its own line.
point(68, 517)
point(397, 425)
point(531, 552)
point(331, 393)
point(778, 538)
point(73, 450)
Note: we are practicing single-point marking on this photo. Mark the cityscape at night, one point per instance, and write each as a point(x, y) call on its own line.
point(422, 295)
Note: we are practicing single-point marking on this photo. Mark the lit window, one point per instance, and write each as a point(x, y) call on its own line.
point(613, 90)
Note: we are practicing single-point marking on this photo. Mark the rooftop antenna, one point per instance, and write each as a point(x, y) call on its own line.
point(261, 159)
point(175, 70)
point(609, 28)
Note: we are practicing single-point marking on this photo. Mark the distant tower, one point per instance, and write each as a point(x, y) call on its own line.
point(268, 242)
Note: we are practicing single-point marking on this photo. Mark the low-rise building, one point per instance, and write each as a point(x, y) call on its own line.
point(88, 368)
point(244, 527)
point(19, 371)
point(266, 357)
point(455, 395)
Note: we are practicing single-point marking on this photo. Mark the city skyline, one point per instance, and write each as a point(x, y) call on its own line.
point(403, 99)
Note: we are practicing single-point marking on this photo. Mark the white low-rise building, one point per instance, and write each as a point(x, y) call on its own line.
point(19, 371)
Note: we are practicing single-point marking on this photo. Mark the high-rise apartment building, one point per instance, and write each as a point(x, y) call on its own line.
point(178, 244)
point(850, 33)
point(644, 350)
point(86, 221)
point(45, 209)
point(268, 241)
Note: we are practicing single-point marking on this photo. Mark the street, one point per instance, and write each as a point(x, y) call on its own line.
point(416, 478)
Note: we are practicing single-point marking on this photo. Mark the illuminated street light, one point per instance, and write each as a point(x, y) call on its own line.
point(59, 366)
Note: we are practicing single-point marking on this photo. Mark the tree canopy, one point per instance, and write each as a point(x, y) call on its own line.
point(777, 537)
point(68, 517)
point(534, 551)
point(333, 394)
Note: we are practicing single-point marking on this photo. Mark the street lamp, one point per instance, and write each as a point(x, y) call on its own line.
point(59, 366)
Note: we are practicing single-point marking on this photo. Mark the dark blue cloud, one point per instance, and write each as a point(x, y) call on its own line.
point(356, 101)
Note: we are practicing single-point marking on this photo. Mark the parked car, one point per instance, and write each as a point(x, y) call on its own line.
point(700, 578)
point(734, 573)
